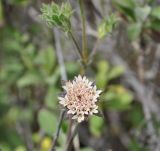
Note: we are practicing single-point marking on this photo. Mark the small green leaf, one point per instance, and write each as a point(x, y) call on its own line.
point(101, 78)
point(51, 97)
point(126, 7)
point(156, 12)
point(47, 121)
point(142, 13)
point(29, 79)
point(118, 98)
point(107, 26)
point(47, 59)
point(96, 125)
point(155, 24)
point(115, 72)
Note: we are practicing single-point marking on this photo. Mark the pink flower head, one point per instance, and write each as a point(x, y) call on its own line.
point(80, 98)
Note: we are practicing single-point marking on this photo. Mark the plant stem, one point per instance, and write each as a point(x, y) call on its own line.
point(58, 130)
point(77, 45)
point(71, 138)
point(84, 40)
point(63, 77)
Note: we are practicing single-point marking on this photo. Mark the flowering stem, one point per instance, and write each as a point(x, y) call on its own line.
point(58, 130)
point(64, 77)
point(77, 45)
point(84, 40)
point(71, 138)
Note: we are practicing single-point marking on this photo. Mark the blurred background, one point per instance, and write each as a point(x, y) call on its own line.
point(126, 67)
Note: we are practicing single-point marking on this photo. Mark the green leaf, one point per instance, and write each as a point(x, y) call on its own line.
point(96, 124)
point(118, 98)
point(52, 79)
point(51, 97)
point(47, 121)
point(142, 13)
point(126, 7)
point(58, 16)
point(115, 72)
point(20, 148)
point(72, 68)
point(107, 26)
point(101, 78)
point(46, 59)
point(31, 78)
point(134, 31)
point(154, 24)
point(156, 12)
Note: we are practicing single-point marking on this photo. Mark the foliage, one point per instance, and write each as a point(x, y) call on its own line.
point(30, 74)
point(107, 26)
point(58, 16)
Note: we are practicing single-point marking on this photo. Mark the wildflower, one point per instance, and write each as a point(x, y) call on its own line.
point(80, 97)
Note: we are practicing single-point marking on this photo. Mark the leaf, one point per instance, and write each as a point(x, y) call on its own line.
point(51, 97)
point(58, 16)
point(126, 7)
point(101, 78)
point(155, 24)
point(96, 124)
point(134, 31)
point(107, 26)
point(142, 13)
point(31, 78)
point(47, 121)
point(52, 79)
point(72, 68)
point(115, 72)
point(118, 98)
point(20, 148)
point(47, 59)
point(156, 12)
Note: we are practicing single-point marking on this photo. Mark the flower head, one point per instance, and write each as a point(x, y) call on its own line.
point(80, 97)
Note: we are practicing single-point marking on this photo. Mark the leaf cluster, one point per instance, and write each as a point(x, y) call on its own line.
point(58, 16)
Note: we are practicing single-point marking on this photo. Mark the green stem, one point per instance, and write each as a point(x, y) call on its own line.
point(84, 40)
point(77, 45)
